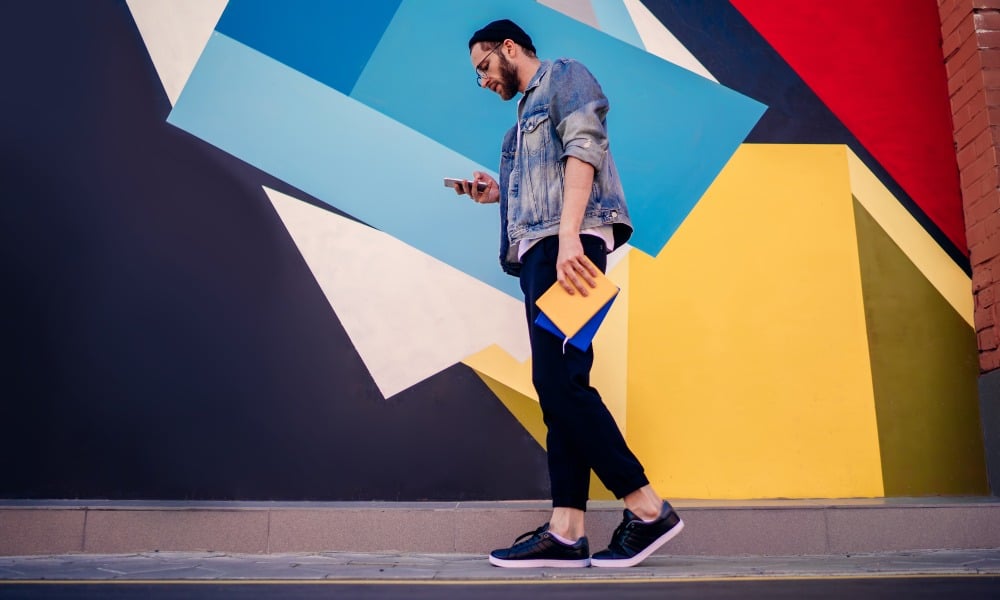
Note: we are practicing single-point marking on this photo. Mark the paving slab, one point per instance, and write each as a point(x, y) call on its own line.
point(175, 566)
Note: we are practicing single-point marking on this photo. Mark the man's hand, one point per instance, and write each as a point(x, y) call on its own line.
point(573, 269)
point(488, 196)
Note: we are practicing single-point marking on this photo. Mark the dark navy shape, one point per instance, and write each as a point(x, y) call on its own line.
point(163, 337)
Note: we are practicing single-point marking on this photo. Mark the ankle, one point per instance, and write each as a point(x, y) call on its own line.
point(644, 503)
point(567, 523)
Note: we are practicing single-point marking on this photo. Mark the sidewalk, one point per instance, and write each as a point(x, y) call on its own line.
point(178, 566)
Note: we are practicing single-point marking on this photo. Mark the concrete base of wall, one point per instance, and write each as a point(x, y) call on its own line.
point(989, 414)
point(761, 528)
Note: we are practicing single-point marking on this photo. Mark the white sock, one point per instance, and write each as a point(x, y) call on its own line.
point(560, 538)
point(656, 518)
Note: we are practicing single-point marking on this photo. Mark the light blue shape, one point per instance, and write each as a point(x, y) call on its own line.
point(671, 131)
point(341, 152)
point(614, 19)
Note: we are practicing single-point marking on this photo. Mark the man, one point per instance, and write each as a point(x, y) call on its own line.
point(562, 210)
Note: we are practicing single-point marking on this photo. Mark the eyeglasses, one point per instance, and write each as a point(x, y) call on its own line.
point(481, 70)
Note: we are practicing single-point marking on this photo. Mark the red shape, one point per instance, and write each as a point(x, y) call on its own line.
point(878, 67)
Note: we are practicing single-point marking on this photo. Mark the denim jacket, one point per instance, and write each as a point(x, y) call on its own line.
point(561, 114)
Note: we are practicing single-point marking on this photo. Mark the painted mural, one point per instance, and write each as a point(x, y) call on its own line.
point(236, 273)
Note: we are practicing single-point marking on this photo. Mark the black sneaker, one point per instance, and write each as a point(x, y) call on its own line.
point(634, 539)
point(542, 550)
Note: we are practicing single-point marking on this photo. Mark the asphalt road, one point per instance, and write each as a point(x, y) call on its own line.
point(951, 587)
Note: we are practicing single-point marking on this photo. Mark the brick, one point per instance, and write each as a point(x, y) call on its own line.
point(986, 184)
point(989, 360)
point(985, 4)
point(954, 14)
point(968, 74)
point(992, 97)
point(979, 167)
point(983, 318)
point(979, 124)
point(987, 339)
point(989, 249)
point(992, 224)
point(964, 94)
point(987, 20)
point(991, 79)
point(965, 31)
point(982, 278)
point(954, 20)
point(987, 297)
point(976, 234)
point(984, 141)
point(988, 39)
point(969, 60)
point(962, 115)
point(981, 209)
point(966, 156)
point(974, 190)
point(988, 59)
point(970, 175)
point(963, 54)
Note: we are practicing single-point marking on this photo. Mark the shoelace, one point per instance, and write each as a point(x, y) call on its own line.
point(616, 537)
point(529, 535)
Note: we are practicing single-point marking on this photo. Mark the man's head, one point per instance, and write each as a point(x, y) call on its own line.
point(504, 57)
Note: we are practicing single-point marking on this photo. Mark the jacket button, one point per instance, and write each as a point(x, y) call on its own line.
point(614, 214)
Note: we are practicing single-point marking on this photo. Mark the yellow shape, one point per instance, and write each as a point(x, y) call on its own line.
point(749, 372)
point(496, 363)
point(529, 414)
point(933, 262)
point(510, 379)
point(610, 372)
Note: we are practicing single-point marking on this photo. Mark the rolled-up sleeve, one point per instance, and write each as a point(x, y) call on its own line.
point(579, 107)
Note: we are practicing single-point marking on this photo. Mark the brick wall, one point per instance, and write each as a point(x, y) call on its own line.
point(970, 33)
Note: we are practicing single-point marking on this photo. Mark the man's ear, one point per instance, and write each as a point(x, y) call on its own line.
point(510, 49)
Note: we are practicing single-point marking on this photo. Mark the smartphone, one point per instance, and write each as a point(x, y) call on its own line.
point(457, 184)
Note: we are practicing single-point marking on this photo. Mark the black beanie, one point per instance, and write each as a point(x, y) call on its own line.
point(501, 30)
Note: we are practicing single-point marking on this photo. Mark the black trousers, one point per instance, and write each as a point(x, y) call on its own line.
point(582, 434)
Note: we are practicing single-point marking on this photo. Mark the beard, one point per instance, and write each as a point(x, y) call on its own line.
point(508, 79)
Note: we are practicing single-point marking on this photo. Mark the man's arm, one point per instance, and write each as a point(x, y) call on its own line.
point(573, 268)
point(578, 107)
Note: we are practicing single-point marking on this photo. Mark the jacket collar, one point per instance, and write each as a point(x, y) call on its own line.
point(543, 68)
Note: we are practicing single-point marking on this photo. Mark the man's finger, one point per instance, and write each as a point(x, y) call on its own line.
point(566, 285)
point(590, 266)
point(577, 284)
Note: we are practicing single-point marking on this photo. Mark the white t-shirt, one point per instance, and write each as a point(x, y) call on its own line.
point(605, 232)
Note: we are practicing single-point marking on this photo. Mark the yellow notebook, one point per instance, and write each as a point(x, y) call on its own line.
point(570, 313)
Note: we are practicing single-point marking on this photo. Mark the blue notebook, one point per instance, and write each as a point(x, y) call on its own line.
point(585, 335)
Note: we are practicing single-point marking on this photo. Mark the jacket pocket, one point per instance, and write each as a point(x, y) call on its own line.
point(535, 133)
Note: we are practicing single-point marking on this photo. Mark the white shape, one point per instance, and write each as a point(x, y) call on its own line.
point(175, 33)
point(660, 42)
point(408, 314)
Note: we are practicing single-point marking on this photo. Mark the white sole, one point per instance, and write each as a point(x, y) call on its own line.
point(638, 558)
point(538, 562)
